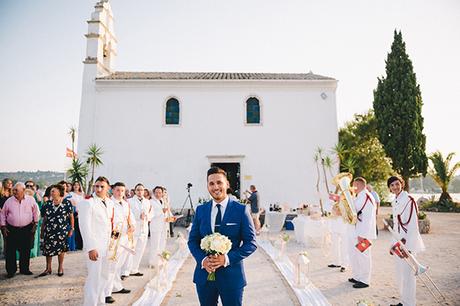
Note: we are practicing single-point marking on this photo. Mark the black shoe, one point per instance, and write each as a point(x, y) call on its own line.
point(109, 300)
point(136, 274)
point(27, 273)
point(399, 304)
point(333, 266)
point(44, 274)
point(124, 291)
point(360, 285)
point(352, 280)
point(123, 277)
point(342, 269)
point(9, 275)
point(60, 274)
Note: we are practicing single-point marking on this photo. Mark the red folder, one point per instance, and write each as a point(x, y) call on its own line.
point(363, 245)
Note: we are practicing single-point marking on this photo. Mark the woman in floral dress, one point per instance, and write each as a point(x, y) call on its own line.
point(57, 214)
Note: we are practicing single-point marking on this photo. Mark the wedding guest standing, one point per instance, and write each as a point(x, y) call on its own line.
point(57, 225)
point(77, 196)
point(68, 196)
point(6, 191)
point(31, 188)
point(18, 220)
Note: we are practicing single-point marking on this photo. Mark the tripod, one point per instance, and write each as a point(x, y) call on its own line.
point(188, 199)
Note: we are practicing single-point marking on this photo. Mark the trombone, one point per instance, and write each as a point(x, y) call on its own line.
point(115, 241)
point(420, 270)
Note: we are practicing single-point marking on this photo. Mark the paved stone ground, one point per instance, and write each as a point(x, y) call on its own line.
point(266, 285)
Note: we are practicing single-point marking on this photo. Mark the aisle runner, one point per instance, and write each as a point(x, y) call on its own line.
point(308, 296)
point(151, 295)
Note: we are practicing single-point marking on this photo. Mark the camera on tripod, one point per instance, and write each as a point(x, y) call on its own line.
point(189, 185)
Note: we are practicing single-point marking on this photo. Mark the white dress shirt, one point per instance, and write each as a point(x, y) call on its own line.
point(214, 211)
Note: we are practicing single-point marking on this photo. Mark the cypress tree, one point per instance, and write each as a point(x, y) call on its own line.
point(398, 111)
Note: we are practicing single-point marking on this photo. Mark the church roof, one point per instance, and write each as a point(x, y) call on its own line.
point(123, 75)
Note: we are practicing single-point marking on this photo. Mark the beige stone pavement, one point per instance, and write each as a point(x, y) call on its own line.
point(265, 284)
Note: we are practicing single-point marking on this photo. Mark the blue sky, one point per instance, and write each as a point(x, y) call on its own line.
point(42, 47)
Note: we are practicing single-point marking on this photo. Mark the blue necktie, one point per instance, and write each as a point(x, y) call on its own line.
point(218, 219)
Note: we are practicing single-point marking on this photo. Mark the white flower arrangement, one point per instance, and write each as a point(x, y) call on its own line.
point(285, 237)
point(215, 244)
point(166, 255)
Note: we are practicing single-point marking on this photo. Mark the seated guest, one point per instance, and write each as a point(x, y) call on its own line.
point(57, 216)
point(18, 220)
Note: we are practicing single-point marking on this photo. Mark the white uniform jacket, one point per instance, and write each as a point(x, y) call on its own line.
point(122, 215)
point(137, 208)
point(95, 222)
point(405, 221)
point(158, 217)
point(366, 210)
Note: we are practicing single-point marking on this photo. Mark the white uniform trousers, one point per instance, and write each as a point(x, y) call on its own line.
point(406, 281)
point(141, 242)
point(361, 263)
point(157, 245)
point(114, 281)
point(340, 247)
point(95, 282)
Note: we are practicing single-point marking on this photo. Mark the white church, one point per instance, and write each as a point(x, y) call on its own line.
point(168, 128)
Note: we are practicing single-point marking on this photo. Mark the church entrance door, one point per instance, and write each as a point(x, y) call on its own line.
point(233, 173)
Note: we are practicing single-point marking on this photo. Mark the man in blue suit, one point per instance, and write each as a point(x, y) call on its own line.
point(232, 219)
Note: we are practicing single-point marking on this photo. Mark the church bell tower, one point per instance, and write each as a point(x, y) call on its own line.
point(101, 41)
point(101, 46)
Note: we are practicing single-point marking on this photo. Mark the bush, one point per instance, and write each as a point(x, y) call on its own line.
point(440, 206)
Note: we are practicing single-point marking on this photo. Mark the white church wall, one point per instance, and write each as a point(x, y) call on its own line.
point(276, 156)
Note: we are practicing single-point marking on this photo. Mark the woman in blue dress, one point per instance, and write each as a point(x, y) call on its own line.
point(57, 215)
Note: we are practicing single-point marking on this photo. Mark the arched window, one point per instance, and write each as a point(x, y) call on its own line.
point(172, 111)
point(252, 111)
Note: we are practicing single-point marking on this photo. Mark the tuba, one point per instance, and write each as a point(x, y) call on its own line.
point(345, 204)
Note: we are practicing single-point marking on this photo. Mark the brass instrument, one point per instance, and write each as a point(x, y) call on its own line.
point(131, 248)
point(115, 241)
point(420, 270)
point(345, 205)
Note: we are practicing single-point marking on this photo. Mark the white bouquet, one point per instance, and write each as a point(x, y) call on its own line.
point(215, 244)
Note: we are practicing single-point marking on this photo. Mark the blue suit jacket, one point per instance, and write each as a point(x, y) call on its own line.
point(237, 225)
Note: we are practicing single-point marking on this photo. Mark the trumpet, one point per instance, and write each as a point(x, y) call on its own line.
point(345, 204)
point(400, 250)
point(115, 241)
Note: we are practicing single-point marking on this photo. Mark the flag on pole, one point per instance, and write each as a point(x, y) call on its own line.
point(70, 153)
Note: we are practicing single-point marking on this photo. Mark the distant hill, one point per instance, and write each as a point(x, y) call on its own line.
point(42, 178)
point(429, 186)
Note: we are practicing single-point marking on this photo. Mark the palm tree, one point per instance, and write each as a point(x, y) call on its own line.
point(93, 160)
point(442, 172)
point(316, 158)
point(78, 172)
point(340, 151)
point(73, 133)
point(349, 165)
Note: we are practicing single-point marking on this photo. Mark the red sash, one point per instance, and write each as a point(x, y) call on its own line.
point(403, 225)
point(368, 198)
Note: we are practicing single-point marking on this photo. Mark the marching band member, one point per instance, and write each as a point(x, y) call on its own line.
point(141, 210)
point(158, 226)
point(364, 231)
point(96, 216)
point(405, 223)
point(339, 237)
point(117, 257)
